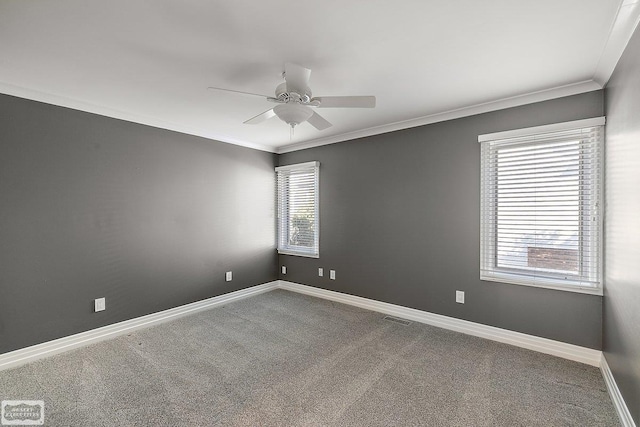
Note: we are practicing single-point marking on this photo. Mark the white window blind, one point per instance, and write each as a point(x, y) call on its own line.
point(541, 221)
point(298, 215)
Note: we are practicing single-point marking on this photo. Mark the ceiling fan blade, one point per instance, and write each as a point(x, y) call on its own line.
point(237, 91)
point(297, 77)
point(260, 117)
point(318, 122)
point(346, 101)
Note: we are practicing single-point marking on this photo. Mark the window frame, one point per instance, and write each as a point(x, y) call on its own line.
point(489, 270)
point(284, 215)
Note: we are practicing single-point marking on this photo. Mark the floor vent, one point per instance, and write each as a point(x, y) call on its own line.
point(397, 320)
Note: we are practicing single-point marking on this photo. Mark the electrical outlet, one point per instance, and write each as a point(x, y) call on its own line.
point(332, 274)
point(460, 297)
point(284, 269)
point(320, 272)
point(229, 276)
point(99, 304)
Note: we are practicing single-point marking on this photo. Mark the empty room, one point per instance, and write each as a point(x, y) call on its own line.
point(320, 213)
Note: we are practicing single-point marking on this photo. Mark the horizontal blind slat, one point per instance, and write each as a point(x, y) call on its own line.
point(540, 208)
point(297, 197)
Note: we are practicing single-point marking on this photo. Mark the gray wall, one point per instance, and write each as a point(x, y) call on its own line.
point(399, 221)
point(151, 219)
point(621, 316)
point(148, 218)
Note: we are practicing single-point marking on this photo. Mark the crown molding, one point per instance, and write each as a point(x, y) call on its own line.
point(62, 101)
point(621, 31)
point(75, 104)
point(514, 101)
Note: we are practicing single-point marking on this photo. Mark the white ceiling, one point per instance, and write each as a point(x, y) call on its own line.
point(152, 61)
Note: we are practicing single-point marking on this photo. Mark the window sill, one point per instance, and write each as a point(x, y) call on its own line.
point(302, 254)
point(514, 279)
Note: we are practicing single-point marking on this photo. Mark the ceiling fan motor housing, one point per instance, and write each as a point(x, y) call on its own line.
point(298, 96)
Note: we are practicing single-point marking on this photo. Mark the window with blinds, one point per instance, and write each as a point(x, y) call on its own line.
point(541, 221)
point(298, 215)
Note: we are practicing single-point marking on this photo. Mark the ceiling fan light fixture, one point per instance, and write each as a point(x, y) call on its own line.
point(293, 114)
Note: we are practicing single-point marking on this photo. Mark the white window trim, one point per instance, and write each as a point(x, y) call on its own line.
point(549, 283)
point(315, 164)
point(289, 251)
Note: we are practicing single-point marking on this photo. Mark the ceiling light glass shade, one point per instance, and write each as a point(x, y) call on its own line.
point(293, 114)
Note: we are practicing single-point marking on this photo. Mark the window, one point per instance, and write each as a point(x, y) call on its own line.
point(541, 221)
point(298, 225)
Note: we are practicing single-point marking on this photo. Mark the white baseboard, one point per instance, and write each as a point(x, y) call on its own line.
point(618, 402)
point(38, 351)
point(543, 345)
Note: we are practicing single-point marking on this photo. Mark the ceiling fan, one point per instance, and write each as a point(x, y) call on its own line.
point(295, 103)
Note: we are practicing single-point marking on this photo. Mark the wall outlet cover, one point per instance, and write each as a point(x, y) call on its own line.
point(228, 276)
point(99, 304)
point(460, 297)
point(284, 270)
point(332, 274)
point(320, 272)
